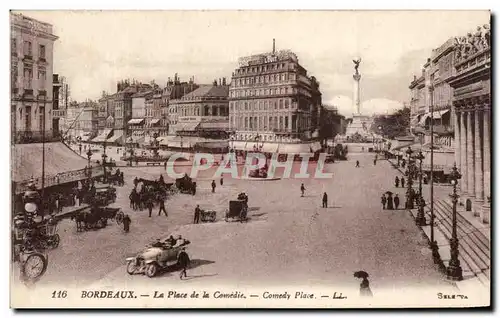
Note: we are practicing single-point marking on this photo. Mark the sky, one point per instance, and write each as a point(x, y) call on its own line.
point(95, 49)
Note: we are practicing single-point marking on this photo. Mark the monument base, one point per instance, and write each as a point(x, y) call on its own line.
point(360, 125)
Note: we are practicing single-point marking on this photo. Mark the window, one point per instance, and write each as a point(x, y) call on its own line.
point(27, 50)
point(13, 46)
point(281, 104)
point(42, 75)
point(257, 92)
point(275, 105)
point(41, 119)
point(287, 102)
point(28, 76)
point(41, 52)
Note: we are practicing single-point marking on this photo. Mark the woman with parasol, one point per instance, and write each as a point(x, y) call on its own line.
point(364, 287)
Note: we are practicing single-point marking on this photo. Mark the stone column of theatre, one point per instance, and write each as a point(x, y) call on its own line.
point(470, 157)
point(457, 139)
point(478, 163)
point(463, 154)
point(486, 163)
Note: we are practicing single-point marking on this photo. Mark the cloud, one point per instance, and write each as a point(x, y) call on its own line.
point(372, 106)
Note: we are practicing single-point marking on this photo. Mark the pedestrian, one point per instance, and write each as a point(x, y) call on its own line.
point(194, 188)
point(390, 205)
point(375, 161)
point(221, 181)
point(357, 163)
point(197, 212)
point(302, 189)
point(126, 223)
point(325, 200)
point(396, 201)
point(183, 260)
point(402, 182)
point(213, 186)
point(364, 288)
point(383, 199)
point(396, 181)
point(150, 206)
point(162, 208)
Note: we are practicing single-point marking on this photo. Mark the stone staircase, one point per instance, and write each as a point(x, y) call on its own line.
point(474, 240)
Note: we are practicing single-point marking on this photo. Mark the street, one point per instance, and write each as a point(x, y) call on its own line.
point(288, 237)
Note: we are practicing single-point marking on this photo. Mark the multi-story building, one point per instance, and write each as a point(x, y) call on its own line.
point(32, 44)
point(199, 116)
point(139, 111)
point(431, 96)
point(57, 111)
point(172, 93)
point(272, 99)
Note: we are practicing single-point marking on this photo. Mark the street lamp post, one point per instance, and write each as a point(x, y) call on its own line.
point(409, 170)
point(454, 270)
point(104, 156)
point(421, 202)
point(89, 155)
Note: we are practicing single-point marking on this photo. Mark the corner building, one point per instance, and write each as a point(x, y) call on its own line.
point(272, 100)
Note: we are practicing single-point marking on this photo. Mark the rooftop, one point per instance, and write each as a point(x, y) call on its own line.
point(205, 91)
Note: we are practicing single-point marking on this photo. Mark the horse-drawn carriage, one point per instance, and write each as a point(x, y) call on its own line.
point(185, 184)
point(97, 217)
point(104, 195)
point(238, 209)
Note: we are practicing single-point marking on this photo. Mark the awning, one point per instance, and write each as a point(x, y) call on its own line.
point(439, 114)
point(165, 140)
point(443, 161)
point(270, 147)
point(117, 137)
point(213, 144)
point(219, 125)
point(186, 126)
point(86, 137)
point(135, 139)
point(155, 121)
point(423, 119)
point(294, 148)
point(238, 145)
point(136, 121)
point(315, 146)
point(103, 136)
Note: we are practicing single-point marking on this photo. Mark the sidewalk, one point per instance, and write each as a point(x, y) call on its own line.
point(474, 252)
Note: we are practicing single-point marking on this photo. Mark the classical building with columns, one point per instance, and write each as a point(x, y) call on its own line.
point(272, 100)
point(472, 106)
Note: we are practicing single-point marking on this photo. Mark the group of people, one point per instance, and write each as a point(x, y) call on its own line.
point(324, 201)
point(397, 181)
point(389, 202)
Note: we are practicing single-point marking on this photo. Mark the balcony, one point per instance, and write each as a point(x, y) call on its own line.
point(29, 136)
point(42, 60)
point(28, 58)
point(28, 93)
point(15, 90)
point(42, 94)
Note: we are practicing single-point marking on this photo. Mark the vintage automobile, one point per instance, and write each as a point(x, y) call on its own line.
point(238, 209)
point(185, 184)
point(157, 256)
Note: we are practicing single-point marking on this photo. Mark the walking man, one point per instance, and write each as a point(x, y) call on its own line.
point(162, 207)
point(402, 182)
point(197, 212)
point(325, 200)
point(357, 163)
point(221, 181)
point(396, 201)
point(213, 186)
point(302, 189)
point(183, 263)
point(149, 204)
point(383, 200)
point(126, 223)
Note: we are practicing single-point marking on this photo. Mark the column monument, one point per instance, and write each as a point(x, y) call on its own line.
point(359, 128)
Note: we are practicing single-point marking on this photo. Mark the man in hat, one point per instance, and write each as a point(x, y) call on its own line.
point(325, 200)
point(126, 223)
point(213, 186)
point(396, 201)
point(197, 213)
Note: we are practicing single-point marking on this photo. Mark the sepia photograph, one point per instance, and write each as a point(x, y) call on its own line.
point(250, 159)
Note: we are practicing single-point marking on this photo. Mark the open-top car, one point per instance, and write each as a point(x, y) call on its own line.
point(157, 256)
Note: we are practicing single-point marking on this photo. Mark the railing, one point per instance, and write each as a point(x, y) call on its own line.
point(42, 59)
point(29, 136)
point(28, 57)
point(60, 178)
point(28, 92)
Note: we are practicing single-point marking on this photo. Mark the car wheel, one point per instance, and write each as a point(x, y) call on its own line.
point(131, 268)
point(151, 270)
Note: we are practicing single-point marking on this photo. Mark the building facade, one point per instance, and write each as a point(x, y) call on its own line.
point(472, 104)
point(32, 44)
point(272, 99)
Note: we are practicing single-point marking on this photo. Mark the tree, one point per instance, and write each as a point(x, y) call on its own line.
point(391, 126)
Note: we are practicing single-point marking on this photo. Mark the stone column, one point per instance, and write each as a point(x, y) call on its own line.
point(478, 163)
point(457, 139)
point(470, 157)
point(289, 121)
point(355, 99)
point(463, 154)
point(486, 164)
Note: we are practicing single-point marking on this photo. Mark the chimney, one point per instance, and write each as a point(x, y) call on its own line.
point(414, 77)
point(215, 82)
point(220, 81)
point(274, 46)
point(224, 81)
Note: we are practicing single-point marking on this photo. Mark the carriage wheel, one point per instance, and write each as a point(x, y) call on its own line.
point(55, 240)
point(119, 217)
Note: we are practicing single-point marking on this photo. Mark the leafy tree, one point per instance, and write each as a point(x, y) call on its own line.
point(393, 125)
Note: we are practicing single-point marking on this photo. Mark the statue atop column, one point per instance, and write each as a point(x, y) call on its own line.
point(356, 65)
